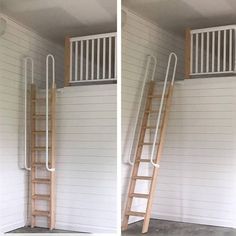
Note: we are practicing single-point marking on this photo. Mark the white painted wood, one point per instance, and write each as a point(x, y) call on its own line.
point(218, 50)
point(76, 60)
point(86, 158)
point(196, 181)
point(140, 38)
point(207, 53)
point(17, 43)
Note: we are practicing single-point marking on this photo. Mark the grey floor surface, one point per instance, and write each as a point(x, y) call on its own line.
point(40, 230)
point(171, 228)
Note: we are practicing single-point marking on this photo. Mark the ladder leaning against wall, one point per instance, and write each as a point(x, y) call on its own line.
point(158, 140)
point(40, 145)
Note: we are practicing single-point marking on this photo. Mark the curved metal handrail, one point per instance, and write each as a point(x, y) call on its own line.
point(49, 56)
point(162, 101)
point(26, 60)
point(149, 59)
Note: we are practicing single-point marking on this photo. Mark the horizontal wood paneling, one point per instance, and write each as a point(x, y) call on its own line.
point(140, 38)
point(15, 44)
point(197, 175)
point(86, 158)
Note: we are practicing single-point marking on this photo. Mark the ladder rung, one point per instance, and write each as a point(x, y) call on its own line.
point(135, 213)
point(40, 163)
point(157, 96)
point(147, 143)
point(139, 195)
point(144, 160)
point(149, 127)
point(152, 111)
point(40, 116)
point(38, 99)
point(41, 197)
point(41, 181)
point(41, 131)
point(143, 177)
point(41, 213)
point(40, 148)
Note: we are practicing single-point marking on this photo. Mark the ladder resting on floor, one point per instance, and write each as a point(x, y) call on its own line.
point(156, 145)
point(42, 145)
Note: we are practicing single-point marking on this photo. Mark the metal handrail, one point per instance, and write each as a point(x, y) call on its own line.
point(162, 101)
point(49, 56)
point(149, 59)
point(26, 60)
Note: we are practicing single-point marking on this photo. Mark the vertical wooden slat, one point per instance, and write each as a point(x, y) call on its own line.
point(92, 61)
point(104, 59)
point(202, 52)
point(196, 54)
point(207, 53)
point(67, 61)
point(98, 58)
point(213, 52)
point(230, 49)
point(109, 59)
point(81, 59)
point(71, 60)
point(191, 53)
point(87, 59)
point(218, 52)
point(187, 53)
point(76, 62)
point(224, 51)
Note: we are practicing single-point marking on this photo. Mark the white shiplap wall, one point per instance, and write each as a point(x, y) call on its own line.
point(86, 159)
point(140, 38)
point(197, 180)
point(15, 44)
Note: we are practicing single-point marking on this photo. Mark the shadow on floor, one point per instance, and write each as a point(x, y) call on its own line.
point(172, 228)
point(41, 230)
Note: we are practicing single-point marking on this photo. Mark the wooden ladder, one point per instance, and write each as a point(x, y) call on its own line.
point(152, 179)
point(43, 187)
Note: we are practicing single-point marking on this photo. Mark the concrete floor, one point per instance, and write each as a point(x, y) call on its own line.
point(40, 230)
point(171, 228)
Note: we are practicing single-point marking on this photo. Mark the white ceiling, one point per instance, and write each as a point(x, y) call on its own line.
point(177, 15)
point(55, 19)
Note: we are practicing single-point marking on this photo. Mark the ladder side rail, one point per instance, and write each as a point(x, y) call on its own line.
point(160, 149)
point(156, 170)
point(53, 149)
point(33, 153)
point(49, 56)
point(26, 60)
point(150, 58)
point(162, 102)
point(135, 168)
